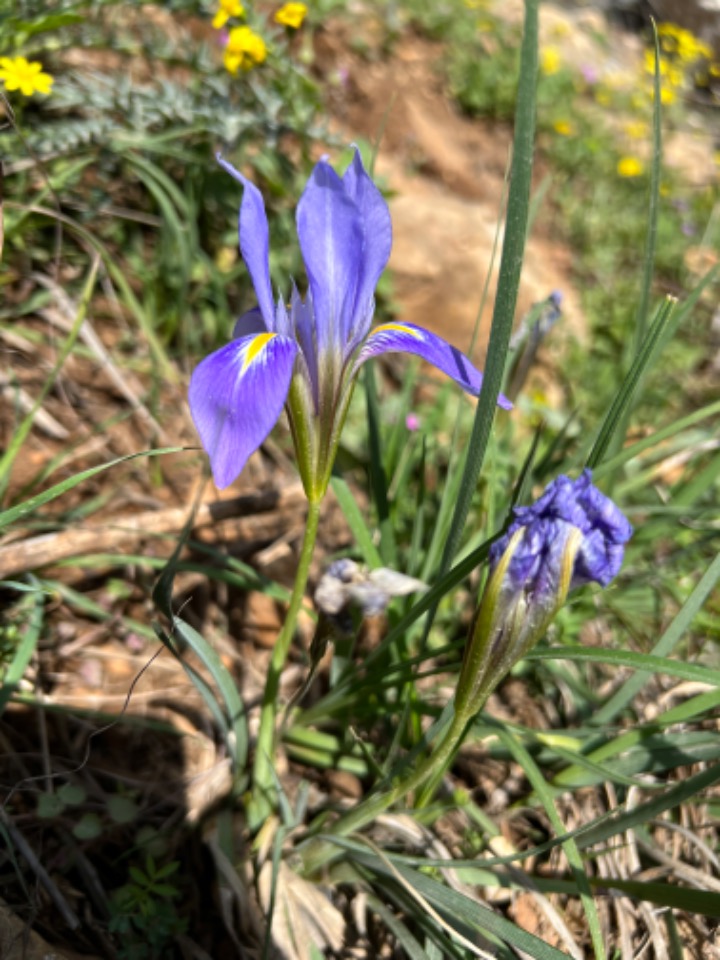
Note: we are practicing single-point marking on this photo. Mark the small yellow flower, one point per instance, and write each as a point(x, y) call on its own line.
point(715, 69)
point(245, 49)
point(564, 128)
point(629, 167)
point(637, 130)
point(675, 77)
point(227, 9)
point(603, 97)
point(17, 74)
point(550, 61)
point(667, 96)
point(291, 15)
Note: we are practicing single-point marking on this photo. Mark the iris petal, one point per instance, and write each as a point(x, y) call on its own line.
point(236, 396)
point(255, 242)
point(407, 338)
point(377, 241)
point(331, 238)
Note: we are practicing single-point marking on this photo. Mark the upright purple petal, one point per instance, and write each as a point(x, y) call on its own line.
point(331, 237)
point(236, 396)
point(255, 242)
point(377, 239)
point(407, 338)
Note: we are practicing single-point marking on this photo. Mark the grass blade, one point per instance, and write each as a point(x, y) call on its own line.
point(618, 413)
point(21, 432)
point(28, 507)
point(665, 645)
point(508, 279)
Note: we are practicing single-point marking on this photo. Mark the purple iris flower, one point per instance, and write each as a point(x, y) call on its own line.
point(571, 536)
point(566, 505)
point(306, 355)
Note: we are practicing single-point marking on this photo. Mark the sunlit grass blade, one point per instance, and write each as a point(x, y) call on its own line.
point(356, 522)
point(165, 367)
point(628, 453)
point(20, 433)
point(617, 415)
point(28, 507)
point(537, 781)
point(235, 721)
point(518, 207)
point(637, 661)
point(653, 206)
point(460, 911)
point(665, 645)
point(30, 610)
point(687, 790)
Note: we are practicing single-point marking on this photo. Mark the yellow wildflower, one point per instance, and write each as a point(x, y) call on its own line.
point(637, 130)
point(564, 128)
point(245, 49)
point(550, 61)
point(291, 15)
point(715, 69)
point(650, 64)
point(629, 167)
point(27, 77)
point(227, 9)
point(667, 96)
point(602, 96)
point(675, 77)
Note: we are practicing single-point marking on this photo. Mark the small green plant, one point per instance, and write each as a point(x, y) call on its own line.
point(144, 916)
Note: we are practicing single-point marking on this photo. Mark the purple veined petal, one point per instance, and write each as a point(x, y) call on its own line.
point(248, 323)
point(377, 242)
point(331, 236)
point(254, 242)
point(407, 338)
point(236, 396)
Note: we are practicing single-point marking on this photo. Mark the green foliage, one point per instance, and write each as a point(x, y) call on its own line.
point(144, 915)
point(128, 156)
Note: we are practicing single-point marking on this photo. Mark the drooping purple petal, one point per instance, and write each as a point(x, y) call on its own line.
point(331, 236)
point(377, 239)
point(564, 505)
point(236, 396)
point(254, 242)
point(407, 338)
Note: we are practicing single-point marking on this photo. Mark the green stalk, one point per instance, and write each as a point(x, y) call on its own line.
point(263, 783)
point(319, 852)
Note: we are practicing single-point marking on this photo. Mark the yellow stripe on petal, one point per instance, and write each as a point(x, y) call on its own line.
point(255, 348)
point(399, 327)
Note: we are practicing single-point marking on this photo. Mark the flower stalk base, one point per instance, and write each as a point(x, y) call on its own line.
point(263, 795)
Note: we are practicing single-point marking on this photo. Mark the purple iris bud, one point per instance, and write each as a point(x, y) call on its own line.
point(305, 356)
point(571, 536)
point(565, 505)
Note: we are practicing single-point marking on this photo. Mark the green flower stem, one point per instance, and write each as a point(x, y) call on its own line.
point(262, 799)
point(319, 852)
